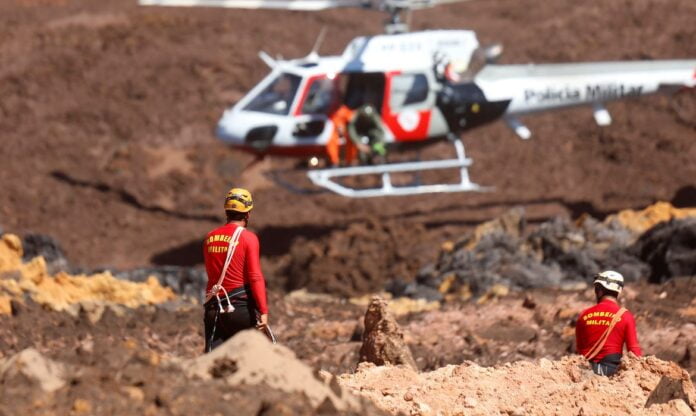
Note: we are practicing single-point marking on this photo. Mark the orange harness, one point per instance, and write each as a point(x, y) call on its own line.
point(597, 347)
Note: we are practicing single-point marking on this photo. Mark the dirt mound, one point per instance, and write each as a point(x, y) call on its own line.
point(669, 248)
point(540, 388)
point(640, 221)
point(125, 378)
point(66, 292)
point(358, 260)
point(249, 358)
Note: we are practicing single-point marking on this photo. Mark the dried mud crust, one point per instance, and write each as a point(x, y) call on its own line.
point(542, 388)
point(325, 332)
point(108, 112)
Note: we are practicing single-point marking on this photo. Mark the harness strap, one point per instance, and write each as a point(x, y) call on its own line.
point(215, 290)
point(597, 347)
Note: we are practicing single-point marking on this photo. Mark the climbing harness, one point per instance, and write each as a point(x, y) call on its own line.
point(215, 290)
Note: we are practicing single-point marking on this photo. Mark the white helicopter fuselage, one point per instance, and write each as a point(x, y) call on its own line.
point(382, 70)
point(403, 76)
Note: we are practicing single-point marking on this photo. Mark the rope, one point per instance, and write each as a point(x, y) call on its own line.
point(212, 333)
point(215, 290)
point(597, 347)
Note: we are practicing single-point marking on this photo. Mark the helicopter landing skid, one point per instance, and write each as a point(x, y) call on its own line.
point(323, 177)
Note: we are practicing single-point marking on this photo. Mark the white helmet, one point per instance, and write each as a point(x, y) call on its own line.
point(610, 280)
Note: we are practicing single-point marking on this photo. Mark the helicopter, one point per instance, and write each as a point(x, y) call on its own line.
point(427, 86)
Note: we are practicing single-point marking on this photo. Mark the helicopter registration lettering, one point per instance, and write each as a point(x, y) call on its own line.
point(401, 47)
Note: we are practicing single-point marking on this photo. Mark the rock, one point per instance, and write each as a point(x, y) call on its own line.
point(189, 281)
point(249, 358)
point(668, 389)
point(529, 302)
point(47, 247)
point(134, 393)
point(641, 221)
point(383, 339)
point(82, 406)
point(683, 408)
point(470, 402)
point(30, 364)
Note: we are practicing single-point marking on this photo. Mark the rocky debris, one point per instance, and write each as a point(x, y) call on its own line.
point(63, 291)
point(567, 386)
point(500, 253)
point(45, 246)
point(357, 260)
point(249, 358)
point(126, 377)
point(38, 370)
point(511, 223)
point(642, 220)
point(669, 248)
point(383, 339)
point(184, 281)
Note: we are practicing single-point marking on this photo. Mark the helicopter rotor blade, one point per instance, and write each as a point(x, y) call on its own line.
point(415, 4)
point(308, 5)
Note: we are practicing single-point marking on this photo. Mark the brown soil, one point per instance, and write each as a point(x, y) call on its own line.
point(325, 331)
point(545, 388)
point(108, 111)
point(107, 116)
point(126, 351)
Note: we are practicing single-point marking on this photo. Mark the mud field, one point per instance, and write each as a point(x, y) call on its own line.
point(108, 163)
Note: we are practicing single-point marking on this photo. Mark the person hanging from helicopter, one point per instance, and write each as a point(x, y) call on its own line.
point(340, 119)
point(366, 133)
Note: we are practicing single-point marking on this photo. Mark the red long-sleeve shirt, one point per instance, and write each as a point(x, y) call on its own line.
point(592, 323)
point(244, 268)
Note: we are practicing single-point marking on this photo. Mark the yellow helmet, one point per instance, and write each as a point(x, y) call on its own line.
point(239, 200)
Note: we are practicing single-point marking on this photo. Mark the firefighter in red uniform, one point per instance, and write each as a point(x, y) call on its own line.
point(603, 329)
point(236, 290)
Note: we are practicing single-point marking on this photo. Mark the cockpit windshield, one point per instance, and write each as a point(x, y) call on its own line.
point(277, 97)
point(320, 97)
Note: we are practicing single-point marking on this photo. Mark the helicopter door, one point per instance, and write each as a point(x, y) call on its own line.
point(365, 88)
point(409, 103)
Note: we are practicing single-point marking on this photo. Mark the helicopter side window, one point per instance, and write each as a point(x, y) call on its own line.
point(364, 88)
point(320, 97)
point(277, 97)
point(407, 89)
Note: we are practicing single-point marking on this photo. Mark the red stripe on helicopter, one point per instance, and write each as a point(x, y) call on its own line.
point(406, 125)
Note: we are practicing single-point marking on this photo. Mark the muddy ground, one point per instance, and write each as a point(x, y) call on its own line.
point(325, 331)
point(107, 113)
point(108, 110)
